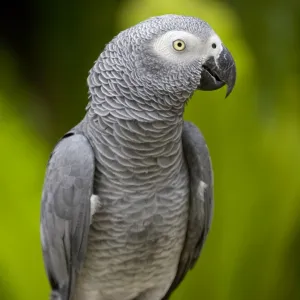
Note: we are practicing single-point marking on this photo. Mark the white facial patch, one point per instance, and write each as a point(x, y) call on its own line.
point(163, 46)
point(214, 47)
point(195, 47)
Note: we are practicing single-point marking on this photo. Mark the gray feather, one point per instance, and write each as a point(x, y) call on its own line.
point(201, 200)
point(65, 215)
point(150, 171)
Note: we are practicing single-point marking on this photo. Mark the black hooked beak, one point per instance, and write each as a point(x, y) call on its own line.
point(217, 73)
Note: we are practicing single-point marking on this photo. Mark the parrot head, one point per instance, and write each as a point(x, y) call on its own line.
point(170, 56)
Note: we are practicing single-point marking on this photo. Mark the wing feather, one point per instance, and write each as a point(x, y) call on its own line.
point(201, 200)
point(65, 212)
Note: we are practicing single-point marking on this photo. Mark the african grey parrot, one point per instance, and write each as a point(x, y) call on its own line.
point(127, 198)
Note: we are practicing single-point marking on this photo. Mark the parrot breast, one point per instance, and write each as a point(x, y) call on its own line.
point(137, 235)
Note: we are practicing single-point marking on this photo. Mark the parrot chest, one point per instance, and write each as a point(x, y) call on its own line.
point(136, 237)
point(137, 233)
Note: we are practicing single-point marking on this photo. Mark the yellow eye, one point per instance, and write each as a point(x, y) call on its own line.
point(179, 45)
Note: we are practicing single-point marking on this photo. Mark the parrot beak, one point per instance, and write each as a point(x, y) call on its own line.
point(217, 73)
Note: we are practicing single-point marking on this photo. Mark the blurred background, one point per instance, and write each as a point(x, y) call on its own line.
point(46, 50)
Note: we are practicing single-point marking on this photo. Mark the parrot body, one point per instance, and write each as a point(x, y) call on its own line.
point(127, 199)
point(138, 230)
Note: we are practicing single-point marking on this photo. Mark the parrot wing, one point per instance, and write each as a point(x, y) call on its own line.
point(65, 212)
point(201, 200)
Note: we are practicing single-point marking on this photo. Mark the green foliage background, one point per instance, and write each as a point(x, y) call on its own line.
point(254, 137)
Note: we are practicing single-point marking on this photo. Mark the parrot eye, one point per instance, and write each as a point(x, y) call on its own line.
point(214, 45)
point(179, 45)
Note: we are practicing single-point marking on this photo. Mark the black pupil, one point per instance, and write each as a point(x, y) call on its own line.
point(214, 45)
point(179, 44)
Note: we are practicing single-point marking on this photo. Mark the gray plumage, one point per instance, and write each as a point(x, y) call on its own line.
point(127, 198)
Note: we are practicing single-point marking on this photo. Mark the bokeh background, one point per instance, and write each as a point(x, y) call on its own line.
point(46, 50)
